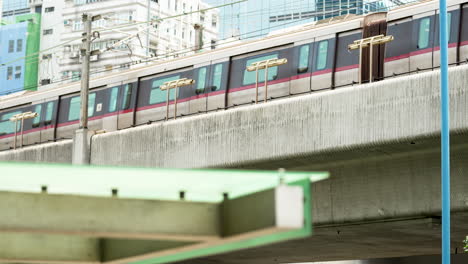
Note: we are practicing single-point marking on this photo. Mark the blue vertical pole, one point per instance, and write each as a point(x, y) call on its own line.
point(445, 132)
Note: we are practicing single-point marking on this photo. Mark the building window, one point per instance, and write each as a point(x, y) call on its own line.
point(217, 76)
point(19, 45)
point(157, 95)
point(249, 77)
point(47, 56)
point(76, 76)
point(176, 4)
point(10, 73)
point(49, 9)
point(303, 59)
point(17, 72)
point(77, 25)
point(201, 80)
point(47, 32)
point(424, 28)
point(322, 54)
point(11, 46)
point(214, 21)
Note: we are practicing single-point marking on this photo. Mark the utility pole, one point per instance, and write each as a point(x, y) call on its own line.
point(81, 138)
point(84, 94)
point(148, 17)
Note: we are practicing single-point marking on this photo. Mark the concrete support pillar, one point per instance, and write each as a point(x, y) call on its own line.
point(81, 147)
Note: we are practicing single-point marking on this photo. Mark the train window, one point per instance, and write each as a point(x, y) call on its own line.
point(157, 96)
point(249, 77)
point(217, 77)
point(127, 96)
point(91, 103)
point(201, 80)
point(6, 126)
point(449, 21)
point(303, 59)
point(37, 119)
point(322, 54)
point(424, 28)
point(74, 111)
point(114, 92)
point(49, 112)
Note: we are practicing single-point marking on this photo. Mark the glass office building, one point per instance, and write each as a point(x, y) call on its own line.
point(256, 18)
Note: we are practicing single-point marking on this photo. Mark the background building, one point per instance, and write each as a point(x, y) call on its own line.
point(170, 38)
point(256, 18)
point(54, 27)
point(19, 44)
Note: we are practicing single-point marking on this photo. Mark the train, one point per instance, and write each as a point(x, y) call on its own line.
point(318, 61)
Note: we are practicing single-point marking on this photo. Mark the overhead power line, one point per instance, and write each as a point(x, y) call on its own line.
point(185, 50)
point(119, 27)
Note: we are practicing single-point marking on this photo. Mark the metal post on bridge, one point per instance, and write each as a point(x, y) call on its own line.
point(174, 85)
point(368, 42)
point(265, 64)
point(21, 117)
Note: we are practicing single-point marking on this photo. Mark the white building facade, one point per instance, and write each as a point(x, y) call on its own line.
point(120, 19)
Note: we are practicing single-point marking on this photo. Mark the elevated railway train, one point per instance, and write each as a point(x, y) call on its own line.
point(318, 60)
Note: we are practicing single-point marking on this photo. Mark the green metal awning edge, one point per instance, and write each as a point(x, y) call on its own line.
point(304, 232)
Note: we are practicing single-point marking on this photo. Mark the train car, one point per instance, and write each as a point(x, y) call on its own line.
point(318, 59)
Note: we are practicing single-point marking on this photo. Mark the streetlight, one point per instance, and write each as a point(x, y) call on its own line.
point(265, 64)
point(22, 117)
point(368, 42)
point(174, 85)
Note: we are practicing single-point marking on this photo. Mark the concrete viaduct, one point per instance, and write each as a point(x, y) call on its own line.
point(379, 142)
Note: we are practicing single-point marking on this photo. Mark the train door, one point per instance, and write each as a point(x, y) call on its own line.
point(48, 122)
point(242, 82)
point(126, 105)
point(347, 62)
point(322, 62)
point(302, 68)
point(69, 114)
point(33, 126)
point(453, 20)
point(374, 25)
point(422, 41)
point(151, 104)
point(197, 102)
point(97, 106)
point(463, 48)
point(7, 128)
point(110, 106)
point(397, 53)
point(218, 79)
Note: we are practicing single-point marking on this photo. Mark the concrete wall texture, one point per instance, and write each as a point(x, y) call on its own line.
point(388, 112)
point(58, 152)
